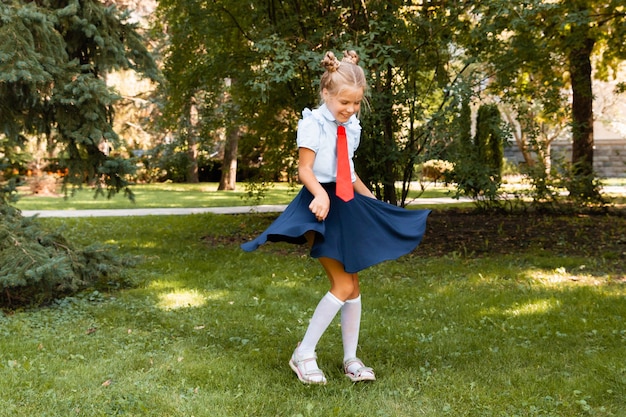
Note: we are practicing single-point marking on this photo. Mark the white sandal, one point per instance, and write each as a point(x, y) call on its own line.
point(311, 376)
point(363, 373)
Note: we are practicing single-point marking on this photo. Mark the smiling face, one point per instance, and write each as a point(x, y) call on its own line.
point(345, 103)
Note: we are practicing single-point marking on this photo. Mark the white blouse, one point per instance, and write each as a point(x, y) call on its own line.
point(317, 130)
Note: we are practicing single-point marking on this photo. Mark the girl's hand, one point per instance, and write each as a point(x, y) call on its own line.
point(320, 206)
point(321, 202)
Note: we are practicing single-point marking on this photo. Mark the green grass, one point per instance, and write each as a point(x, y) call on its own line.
point(170, 195)
point(209, 331)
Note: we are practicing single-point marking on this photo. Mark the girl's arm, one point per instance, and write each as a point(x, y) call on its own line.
point(321, 202)
point(361, 188)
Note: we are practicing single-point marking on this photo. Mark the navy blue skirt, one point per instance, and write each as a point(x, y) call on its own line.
point(359, 233)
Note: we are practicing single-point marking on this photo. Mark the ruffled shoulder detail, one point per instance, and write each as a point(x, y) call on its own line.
point(316, 114)
point(306, 113)
point(310, 117)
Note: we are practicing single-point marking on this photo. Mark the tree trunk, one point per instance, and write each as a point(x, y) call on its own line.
point(229, 165)
point(192, 142)
point(519, 134)
point(192, 153)
point(582, 117)
point(389, 176)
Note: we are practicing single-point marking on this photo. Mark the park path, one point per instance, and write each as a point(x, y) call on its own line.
point(183, 211)
point(618, 190)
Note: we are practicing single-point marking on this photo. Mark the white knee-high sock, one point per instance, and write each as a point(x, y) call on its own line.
point(350, 324)
point(324, 314)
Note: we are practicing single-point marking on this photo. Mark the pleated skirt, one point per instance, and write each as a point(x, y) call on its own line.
point(359, 233)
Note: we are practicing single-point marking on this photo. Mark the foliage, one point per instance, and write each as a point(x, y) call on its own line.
point(529, 46)
point(478, 160)
point(436, 169)
point(585, 191)
point(270, 53)
point(54, 57)
point(39, 265)
point(545, 184)
point(551, 189)
point(257, 191)
point(251, 67)
point(170, 163)
point(413, 54)
point(489, 139)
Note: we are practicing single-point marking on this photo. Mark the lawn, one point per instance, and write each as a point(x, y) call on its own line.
point(171, 195)
point(208, 330)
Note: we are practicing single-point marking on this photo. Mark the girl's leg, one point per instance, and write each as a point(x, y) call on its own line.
point(342, 287)
point(323, 315)
point(350, 324)
point(345, 286)
point(304, 360)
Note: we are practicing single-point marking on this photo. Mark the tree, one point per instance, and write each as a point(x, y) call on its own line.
point(205, 50)
point(534, 130)
point(537, 41)
point(272, 49)
point(489, 140)
point(478, 160)
point(413, 68)
point(54, 57)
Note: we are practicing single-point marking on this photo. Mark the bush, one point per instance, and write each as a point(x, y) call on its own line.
point(436, 169)
point(39, 266)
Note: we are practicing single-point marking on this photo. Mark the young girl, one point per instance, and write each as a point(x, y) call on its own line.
point(347, 233)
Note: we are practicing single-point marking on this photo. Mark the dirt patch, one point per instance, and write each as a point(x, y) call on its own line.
point(473, 234)
point(479, 234)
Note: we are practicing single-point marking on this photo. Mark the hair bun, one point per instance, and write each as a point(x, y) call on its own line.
point(330, 62)
point(341, 74)
point(351, 57)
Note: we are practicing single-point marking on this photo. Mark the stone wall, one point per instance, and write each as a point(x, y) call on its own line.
point(609, 156)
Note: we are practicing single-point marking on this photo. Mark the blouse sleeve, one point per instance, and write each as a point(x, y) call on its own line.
point(308, 132)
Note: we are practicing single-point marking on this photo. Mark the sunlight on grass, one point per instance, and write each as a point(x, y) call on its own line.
point(527, 308)
point(181, 299)
point(149, 244)
point(286, 284)
point(162, 285)
point(557, 277)
point(174, 296)
point(533, 307)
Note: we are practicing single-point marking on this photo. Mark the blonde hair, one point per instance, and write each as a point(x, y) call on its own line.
point(342, 74)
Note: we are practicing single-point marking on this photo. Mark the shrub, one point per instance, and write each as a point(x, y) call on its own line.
point(39, 266)
point(436, 169)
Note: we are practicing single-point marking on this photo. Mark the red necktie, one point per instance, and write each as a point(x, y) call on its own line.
point(345, 190)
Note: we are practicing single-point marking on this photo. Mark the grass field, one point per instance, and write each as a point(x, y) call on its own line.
point(170, 195)
point(209, 329)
